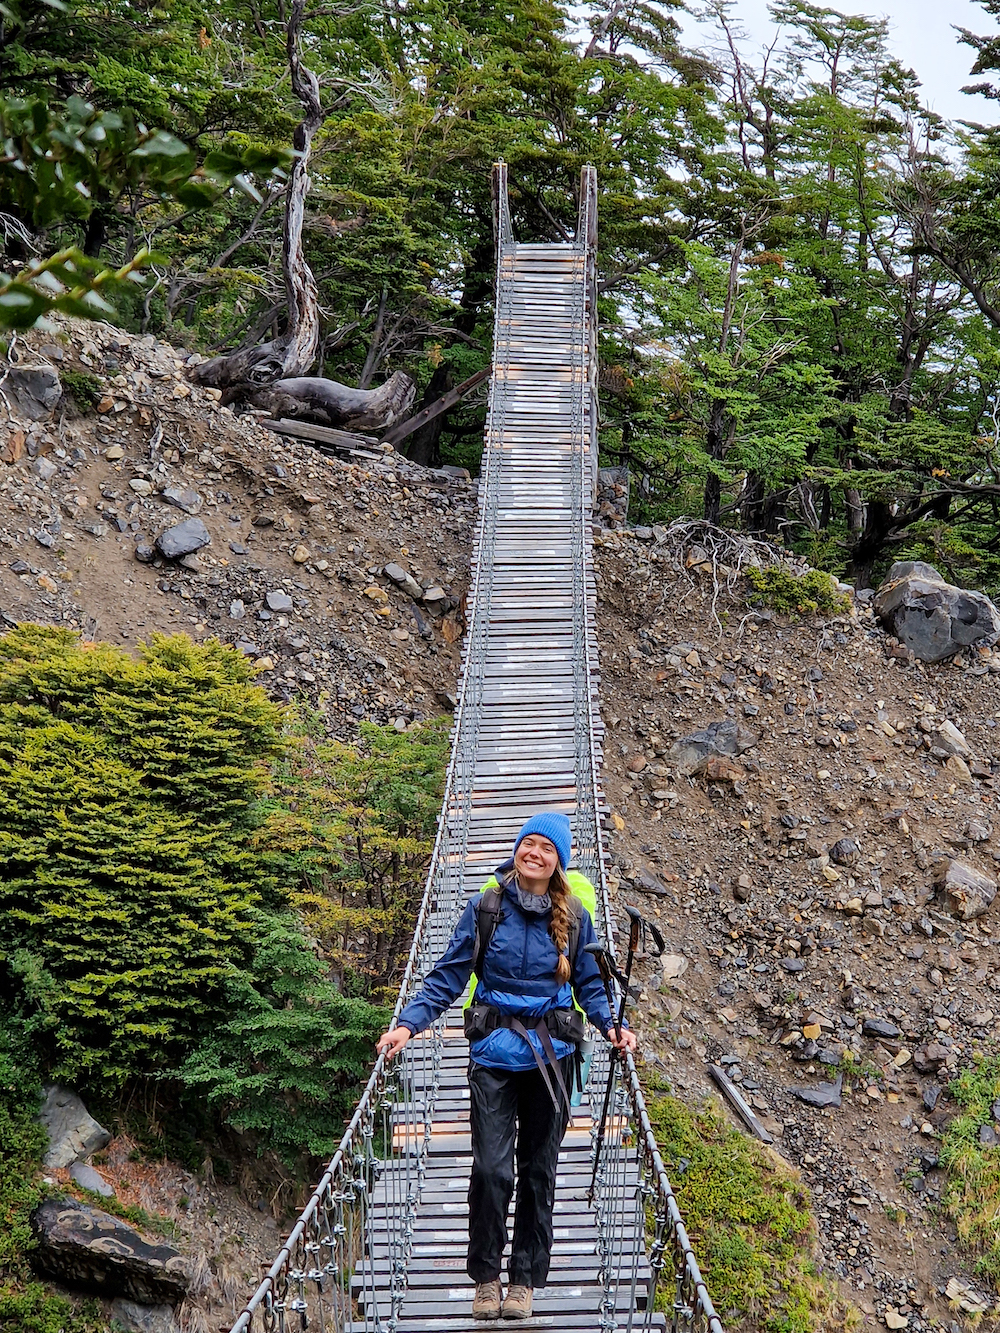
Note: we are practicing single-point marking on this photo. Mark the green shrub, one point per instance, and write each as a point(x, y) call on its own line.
point(152, 880)
point(813, 593)
point(750, 1222)
point(128, 793)
point(357, 822)
point(286, 1061)
point(972, 1194)
point(85, 389)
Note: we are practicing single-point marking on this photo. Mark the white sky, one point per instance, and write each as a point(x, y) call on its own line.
point(921, 35)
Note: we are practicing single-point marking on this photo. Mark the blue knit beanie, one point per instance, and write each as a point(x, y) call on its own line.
point(553, 826)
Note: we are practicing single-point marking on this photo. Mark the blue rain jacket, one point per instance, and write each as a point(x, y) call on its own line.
point(519, 978)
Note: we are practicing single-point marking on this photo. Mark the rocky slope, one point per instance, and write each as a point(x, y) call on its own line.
point(285, 547)
point(812, 947)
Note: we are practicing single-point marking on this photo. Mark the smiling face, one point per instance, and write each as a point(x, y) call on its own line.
point(536, 858)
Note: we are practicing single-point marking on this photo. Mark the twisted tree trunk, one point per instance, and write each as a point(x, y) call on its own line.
point(294, 352)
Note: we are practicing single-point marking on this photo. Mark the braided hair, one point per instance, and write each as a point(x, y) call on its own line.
point(559, 895)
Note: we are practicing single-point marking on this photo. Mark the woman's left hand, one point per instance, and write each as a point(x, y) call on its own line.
point(627, 1042)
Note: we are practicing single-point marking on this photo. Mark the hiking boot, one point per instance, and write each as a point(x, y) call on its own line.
point(486, 1302)
point(518, 1303)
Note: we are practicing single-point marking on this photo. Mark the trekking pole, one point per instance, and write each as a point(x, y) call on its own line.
point(637, 930)
point(607, 970)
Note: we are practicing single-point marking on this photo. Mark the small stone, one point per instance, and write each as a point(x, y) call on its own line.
point(92, 1180)
point(265, 663)
point(44, 468)
point(895, 1320)
point(902, 1059)
point(811, 1031)
point(192, 563)
point(880, 1027)
point(845, 852)
point(301, 554)
point(673, 965)
point(114, 453)
point(183, 497)
point(959, 769)
point(820, 1094)
point(183, 538)
point(278, 601)
point(636, 764)
point(376, 594)
point(987, 1137)
point(967, 892)
point(742, 888)
point(144, 554)
point(49, 585)
point(237, 609)
point(141, 486)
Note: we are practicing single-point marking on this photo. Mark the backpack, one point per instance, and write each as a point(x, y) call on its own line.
point(489, 912)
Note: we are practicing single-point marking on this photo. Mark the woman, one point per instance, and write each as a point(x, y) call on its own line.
point(523, 1030)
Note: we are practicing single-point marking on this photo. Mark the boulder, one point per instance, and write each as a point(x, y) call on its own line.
point(35, 389)
point(84, 1247)
point(183, 538)
point(73, 1131)
point(967, 892)
point(932, 618)
point(690, 754)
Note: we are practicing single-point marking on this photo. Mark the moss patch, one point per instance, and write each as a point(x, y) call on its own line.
point(814, 593)
point(972, 1195)
point(750, 1221)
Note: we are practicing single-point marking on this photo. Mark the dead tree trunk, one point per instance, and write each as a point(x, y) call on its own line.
point(294, 351)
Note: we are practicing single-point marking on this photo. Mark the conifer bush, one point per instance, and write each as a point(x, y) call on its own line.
point(147, 924)
point(128, 791)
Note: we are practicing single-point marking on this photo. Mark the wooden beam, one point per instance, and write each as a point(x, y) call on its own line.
point(403, 429)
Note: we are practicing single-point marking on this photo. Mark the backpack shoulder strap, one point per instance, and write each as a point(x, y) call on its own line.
point(488, 913)
point(575, 922)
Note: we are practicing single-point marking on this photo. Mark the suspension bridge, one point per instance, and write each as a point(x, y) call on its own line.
point(380, 1246)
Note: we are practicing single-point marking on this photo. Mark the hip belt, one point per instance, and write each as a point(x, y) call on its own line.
point(563, 1024)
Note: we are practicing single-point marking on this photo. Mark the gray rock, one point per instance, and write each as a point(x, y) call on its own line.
point(143, 1318)
point(949, 739)
point(690, 754)
point(404, 580)
point(183, 538)
point(44, 468)
point(435, 597)
point(84, 1247)
point(967, 891)
point(35, 389)
point(237, 609)
point(144, 554)
point(91, 1180)
point(933, 618)
point(73, 1131)
point(880, 1027)
point(278, 601)
point(845, 852)
point(820, 1094)
point(183, 497)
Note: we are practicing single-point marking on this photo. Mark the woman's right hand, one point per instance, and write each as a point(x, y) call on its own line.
point(393, 1041)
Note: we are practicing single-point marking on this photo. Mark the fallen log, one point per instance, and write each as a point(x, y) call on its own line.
point(328, 403)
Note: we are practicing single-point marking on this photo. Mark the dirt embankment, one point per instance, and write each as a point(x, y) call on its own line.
point(809, 941)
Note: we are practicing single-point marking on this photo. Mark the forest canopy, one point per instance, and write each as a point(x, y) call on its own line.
point(799, 263)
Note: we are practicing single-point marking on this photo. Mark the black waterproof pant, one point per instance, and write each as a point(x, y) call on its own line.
point(512, 1113)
